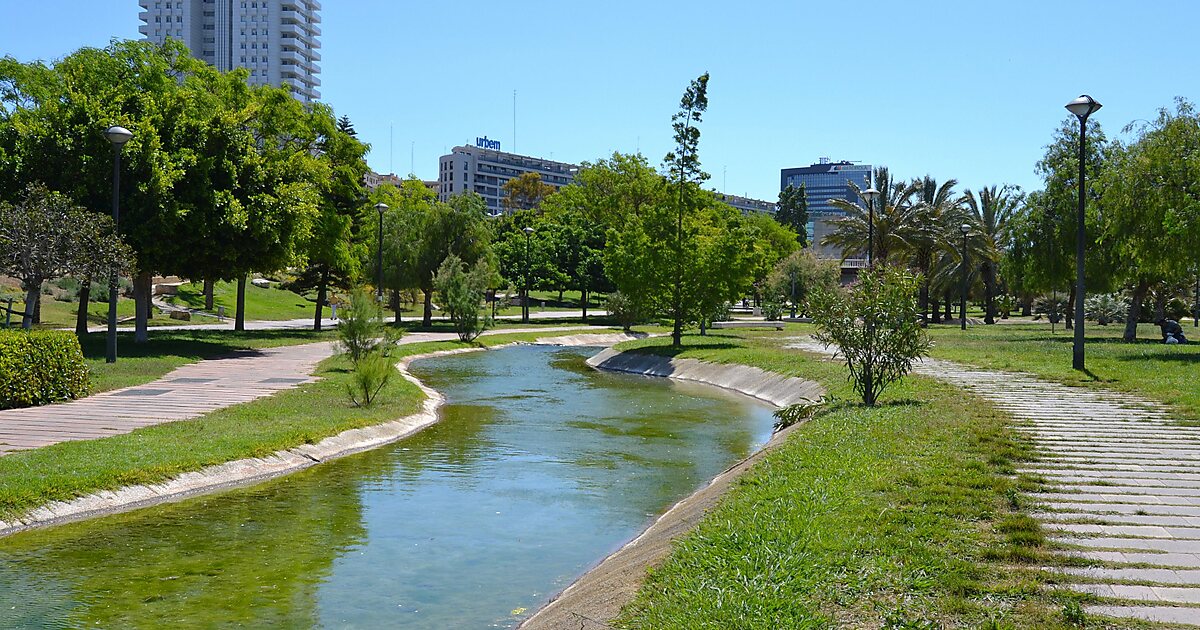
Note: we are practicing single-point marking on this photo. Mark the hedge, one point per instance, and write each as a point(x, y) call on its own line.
point(40, 367)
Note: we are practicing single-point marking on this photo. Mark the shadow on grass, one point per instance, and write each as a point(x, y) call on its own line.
point(195, 343)
point(1172, 354)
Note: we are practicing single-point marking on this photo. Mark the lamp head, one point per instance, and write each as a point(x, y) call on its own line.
point(965, 229)
point(381, 207)
point(870, 194)
point(528, 230)
point(118, 136)
point(1083, 106)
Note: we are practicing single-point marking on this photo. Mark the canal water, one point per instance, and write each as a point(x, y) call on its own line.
point(539, 468)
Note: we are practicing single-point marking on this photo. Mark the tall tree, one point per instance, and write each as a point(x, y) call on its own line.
point(683, 167)
point(934, 233)
point(793, 212)
point(898, 221)
point(1151, 195)
point(526, 192)
point(991, 212)
point(44, 236)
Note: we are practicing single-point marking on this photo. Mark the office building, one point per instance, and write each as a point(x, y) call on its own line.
point(484, 169)
point(823, 182)
point(276, 40)
point(747, 205)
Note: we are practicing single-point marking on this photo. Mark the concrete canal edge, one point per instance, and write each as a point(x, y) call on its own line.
point(597, 597)
point(244, 472)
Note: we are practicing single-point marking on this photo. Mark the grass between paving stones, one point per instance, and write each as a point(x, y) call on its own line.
point(900, 516)
point(1147, 367)
point(287, 419)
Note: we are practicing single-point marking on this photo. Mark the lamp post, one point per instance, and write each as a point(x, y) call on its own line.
point(962, 303)
point(871, 195)
point(1082, 107)
point(525, 302)
point(118, 136)
point(381, 207)
point(793, 294)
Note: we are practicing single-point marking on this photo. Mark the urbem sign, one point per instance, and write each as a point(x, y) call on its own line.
point(484, 143)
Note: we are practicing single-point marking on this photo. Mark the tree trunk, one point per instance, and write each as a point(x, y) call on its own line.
point(1027, 306)
point(37, 307)
point(81, 314)
point(141, 306)
point(583, 301)
point(427, 316)
point(396, 304)
point(1135, 310)
point(923, 298)
point(239, 321)
point(949, 307)
point(209, 286)
point(989, 287)
point(322, 295)
point(703, 327)
point(31, 300)
point(560, 296)
point(1160, 304)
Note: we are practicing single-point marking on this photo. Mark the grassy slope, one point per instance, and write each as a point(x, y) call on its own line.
point(1148, 367)
point(261, 303)
point(56, 314)
point(899, 516)
point(71, 469)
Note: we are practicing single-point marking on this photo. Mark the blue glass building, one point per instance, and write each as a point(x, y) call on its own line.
point(822, 182)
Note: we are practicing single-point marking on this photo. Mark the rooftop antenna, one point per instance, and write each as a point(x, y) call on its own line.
point(391, 148)
point(514, 121)
point(723, 179)
point(412, 160)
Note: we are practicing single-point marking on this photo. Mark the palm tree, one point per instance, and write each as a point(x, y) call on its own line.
point(897, 220)
point(990, 213)
point(941, 210)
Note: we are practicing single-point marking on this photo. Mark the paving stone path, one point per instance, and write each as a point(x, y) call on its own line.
point(1123, 488)
point(187, 392)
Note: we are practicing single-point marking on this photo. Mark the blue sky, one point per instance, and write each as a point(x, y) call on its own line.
point(969, 90)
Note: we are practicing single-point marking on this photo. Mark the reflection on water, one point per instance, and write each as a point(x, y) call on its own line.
point(539, 468)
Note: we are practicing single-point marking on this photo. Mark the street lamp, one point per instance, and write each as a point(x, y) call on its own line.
point(381, 207)
point(525, 302)
point(871, 195)
point(1082, 107)
point(118, 136)
point(962, 304)
point(793, 294)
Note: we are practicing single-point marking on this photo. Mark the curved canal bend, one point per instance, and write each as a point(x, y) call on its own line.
point(539, 468)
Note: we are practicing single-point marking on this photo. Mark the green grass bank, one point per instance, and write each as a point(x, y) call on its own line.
point(899, 516)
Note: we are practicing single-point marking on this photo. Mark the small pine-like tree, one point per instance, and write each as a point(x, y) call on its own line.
point(462, 294)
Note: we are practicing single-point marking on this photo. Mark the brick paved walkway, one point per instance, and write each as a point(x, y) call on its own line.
point(1123, 488)
point(187, 392)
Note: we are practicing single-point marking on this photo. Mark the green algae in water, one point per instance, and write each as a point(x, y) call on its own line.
point(539, 468)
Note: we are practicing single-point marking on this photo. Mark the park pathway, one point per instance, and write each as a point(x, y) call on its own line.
point(187, 392)
point(1122, 487)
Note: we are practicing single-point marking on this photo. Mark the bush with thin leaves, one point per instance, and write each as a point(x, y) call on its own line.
point(361, 329)
point(1105, 308)
point(371, 373)
point(623, 309)
point(875, 326)
point(462, 294)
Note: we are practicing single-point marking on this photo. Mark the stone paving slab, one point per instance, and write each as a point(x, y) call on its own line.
point(1165, 545)
point(1190, 577)
point(1173, 560)
point(1052, 519)
point(1160, 614)
point(1175, 594)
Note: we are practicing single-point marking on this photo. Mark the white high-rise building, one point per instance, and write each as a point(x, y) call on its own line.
point(277, 40)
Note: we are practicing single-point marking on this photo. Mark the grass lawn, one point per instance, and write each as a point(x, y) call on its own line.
point(899, 516)
point(287, 419)
point(1147, 367)
point(269, 304)
point(56, 314)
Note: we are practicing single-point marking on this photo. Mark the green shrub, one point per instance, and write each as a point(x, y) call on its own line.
point(40, 367)
point(772, 310)
point(462, 292)
point(371, 373)
point(622, 308)
point(361, 330)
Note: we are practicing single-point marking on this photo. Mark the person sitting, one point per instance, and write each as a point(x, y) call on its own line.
point(1172, 332)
